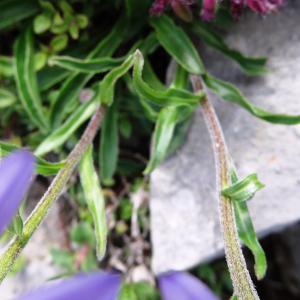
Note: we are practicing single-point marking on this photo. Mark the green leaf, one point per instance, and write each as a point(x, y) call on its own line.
point(94, 66)
point(107, 86)
point(74, 31)
point(145, 291)
point(162, 137)
point(42, 167)
point(42, 23)
point(59, 42)
point(246, 230)
point(94, 199)
point(90, 263)
point(171, 97)
point(63, 258)
point(26, 80)
point(82, 21)
point(40, 60)
point(243, 190)
point(6, 66)
point(66, 7)
point(109, 144)
point(127, 293)
point(125, 126)
point(177, 44)
point(77, 81)
point(180, 133)
point(82, 234)
point(99, 65)
point(253, 66)
point(16, 226)
point(234, 297)
point(12, 11)
point(7, 98)
point(60, 135)
point(230, 93)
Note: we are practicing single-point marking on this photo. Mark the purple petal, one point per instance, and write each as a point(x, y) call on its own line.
point(183, 286)
point(15, 173)
point(208, 10)
point(97, 286)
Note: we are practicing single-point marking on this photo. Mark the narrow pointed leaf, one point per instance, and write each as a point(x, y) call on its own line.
point(77, 81)
point(244, 189)
point(94, 199)
point(234, 297)
point(230, 93)
point(177, 43)
point(26, 79)
point(162, 137)
point(109, 143)
point(99, 65)
point(107, 86)
point(253, 66)
point(60, 136)
point(171, 97)
point(246, 231)
point(42, 167)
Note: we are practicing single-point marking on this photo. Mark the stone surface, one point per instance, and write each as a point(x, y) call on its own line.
point(184, 205)
point(39, 266)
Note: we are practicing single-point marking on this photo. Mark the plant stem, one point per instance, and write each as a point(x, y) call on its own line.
point(14, 248)
point(242, 283)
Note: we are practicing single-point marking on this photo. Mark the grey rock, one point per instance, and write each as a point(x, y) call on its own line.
point(184, 206)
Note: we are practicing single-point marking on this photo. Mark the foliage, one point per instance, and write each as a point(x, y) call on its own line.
point(71, 57)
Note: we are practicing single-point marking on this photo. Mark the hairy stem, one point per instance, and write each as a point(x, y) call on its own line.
point(242, 283)
point(14, 248)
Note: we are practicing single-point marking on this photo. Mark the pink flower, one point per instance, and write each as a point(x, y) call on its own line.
point(208, 10)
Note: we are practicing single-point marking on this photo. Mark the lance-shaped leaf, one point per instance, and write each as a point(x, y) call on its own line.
point(12, 11)
point(177, 43)
point(7, 98)
point(230, 93)
point(164, 130)
point(171, 97)
point(26, 79)
point(234, 297)
point(94, 199)
point(107, 86)
point(253, 66)
point(244, 189)
point(109, 143)
point(77, 81)
point(246, 230)
point(42, 167)
point(59, 136)
point(98, 65)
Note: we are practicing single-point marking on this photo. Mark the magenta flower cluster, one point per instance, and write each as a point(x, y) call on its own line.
point(208, 10)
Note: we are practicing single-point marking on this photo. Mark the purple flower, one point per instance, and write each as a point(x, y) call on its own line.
point(183, 286)
point(208, 10)
point(159, 6)
point(15, 173)
point(96, 286)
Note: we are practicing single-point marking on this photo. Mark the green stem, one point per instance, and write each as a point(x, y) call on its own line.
point(14, 248)
point(242, 283)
